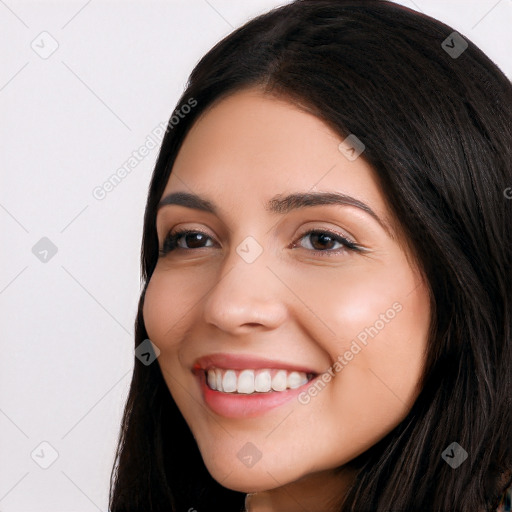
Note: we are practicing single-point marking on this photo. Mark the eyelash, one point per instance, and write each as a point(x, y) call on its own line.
point(169, 244)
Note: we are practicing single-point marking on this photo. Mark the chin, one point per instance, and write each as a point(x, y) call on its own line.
point(249, 483)
point(258, 478)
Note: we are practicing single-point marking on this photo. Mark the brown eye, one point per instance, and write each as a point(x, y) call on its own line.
point(321, 241)
point(189, 238)
point(192, 239)
point(325, 241)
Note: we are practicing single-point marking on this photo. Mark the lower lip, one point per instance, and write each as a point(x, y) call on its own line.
point(234, 405)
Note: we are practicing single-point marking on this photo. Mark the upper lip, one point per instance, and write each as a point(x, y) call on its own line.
point(245, 361)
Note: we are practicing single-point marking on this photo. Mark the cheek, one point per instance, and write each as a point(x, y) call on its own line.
point(344, 302)
point(380, 322)
point(374, 324)
point(167, 307)
point(167, 302)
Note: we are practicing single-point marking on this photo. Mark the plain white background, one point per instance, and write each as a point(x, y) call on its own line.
point(68, 121)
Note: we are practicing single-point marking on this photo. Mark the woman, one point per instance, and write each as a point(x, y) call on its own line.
point(327, 271)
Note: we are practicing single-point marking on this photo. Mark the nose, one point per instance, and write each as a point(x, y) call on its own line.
point(246, 296)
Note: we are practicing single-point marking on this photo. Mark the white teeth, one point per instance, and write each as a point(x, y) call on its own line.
point(229, 381)
point(263, 381)
point(218, 379)
point(279, 381)
point(254, 381)
point(212, 379)
point(295, 380)
point(246, 382)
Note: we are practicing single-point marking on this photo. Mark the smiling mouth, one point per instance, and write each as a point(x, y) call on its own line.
point(255, 381)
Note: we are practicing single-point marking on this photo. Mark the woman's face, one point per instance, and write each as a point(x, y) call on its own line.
point(274, 291)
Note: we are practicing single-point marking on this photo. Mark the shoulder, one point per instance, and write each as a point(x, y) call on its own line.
point(505, 504)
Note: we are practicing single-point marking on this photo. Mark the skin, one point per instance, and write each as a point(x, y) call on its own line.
point(292, 303)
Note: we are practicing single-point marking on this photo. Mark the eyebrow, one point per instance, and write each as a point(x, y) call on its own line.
point(279, 204)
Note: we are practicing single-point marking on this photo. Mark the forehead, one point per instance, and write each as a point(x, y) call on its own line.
point(250, 146)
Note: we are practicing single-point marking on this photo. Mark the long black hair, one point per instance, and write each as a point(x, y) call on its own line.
point(436, 119)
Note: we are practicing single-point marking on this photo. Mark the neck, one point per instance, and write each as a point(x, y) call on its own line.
point(319, 492)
